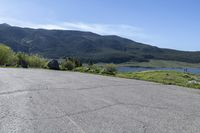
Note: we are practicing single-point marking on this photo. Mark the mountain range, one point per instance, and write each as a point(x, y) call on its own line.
point(86, 46)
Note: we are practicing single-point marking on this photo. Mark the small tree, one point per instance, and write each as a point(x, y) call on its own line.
point(6, 54)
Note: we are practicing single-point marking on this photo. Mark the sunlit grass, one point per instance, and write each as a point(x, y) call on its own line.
point(166, 77)
point(163, 64)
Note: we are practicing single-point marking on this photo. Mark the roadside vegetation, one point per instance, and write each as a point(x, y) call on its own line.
point(8, 58)
point(162, 64)
point(70, 63)
point(107, 69)
point(166, 77)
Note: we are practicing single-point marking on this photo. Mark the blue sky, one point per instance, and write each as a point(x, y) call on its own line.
point(163, 23)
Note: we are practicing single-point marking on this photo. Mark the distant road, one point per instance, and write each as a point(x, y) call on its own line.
point(44, 101)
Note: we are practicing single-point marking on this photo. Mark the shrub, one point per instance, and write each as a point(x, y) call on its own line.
point(70, 63)
point(6, 55)
point(94, 69)
point(109, 69)
point(22, 59)
point(10, 58)
point(36, 61)
point(67, 65)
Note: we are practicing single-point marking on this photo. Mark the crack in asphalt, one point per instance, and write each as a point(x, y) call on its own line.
point(103, 87)
point(28, 90)
point(92, 110)
point(21, 91)
point(120, 103)
point(144, 125)
point(65, 114)
point(68, 117)
point(97, 101)
point(43, 89)
point(145, 106)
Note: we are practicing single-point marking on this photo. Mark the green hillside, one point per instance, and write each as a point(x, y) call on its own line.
point(86, 46)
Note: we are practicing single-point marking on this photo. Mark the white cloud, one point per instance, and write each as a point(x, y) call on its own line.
point(123, 30)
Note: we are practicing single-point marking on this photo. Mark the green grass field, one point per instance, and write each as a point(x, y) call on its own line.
point(165, 77)
point(163, 64)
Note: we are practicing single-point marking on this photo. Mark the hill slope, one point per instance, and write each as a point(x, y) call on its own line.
point(86, 46)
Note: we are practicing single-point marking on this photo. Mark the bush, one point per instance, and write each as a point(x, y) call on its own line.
point(12, 60)
point(36, 61)
point(6, 55)
point(70, 63)
point(94, 69)
point(89, 69)
point(22, 60)
point(67, 65)
point(109, 69)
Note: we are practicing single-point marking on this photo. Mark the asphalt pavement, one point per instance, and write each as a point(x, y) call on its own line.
point(45, 101)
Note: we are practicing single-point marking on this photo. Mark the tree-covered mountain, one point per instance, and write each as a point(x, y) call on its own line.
point(86, 46)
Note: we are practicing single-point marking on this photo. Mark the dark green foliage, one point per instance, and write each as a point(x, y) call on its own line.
point(22, 60)
point(78, 63)
point(70, 63)
point(75, 61)
point(86, 46)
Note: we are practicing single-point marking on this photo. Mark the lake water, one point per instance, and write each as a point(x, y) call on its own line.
point(139, 69)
